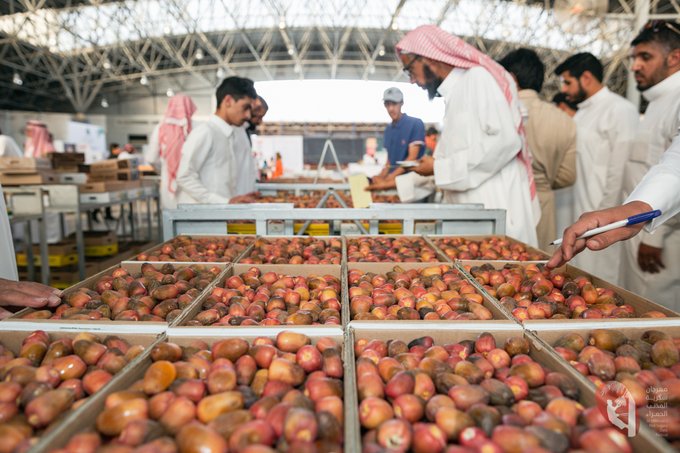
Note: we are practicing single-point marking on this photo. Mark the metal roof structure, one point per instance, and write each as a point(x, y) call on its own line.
point(65, 55)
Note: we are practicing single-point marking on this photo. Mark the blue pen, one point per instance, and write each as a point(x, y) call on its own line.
point(632, 220)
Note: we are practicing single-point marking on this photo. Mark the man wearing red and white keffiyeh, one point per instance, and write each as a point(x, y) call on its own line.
point(481, 156)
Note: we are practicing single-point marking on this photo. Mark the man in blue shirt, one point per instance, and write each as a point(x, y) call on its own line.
point(404, 136)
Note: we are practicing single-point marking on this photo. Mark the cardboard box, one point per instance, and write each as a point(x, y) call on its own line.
point(645, 441)
point(130, 163)
point(72, 178)
point(133, 268)
point(441, 257)
point(17, 165)
point(84, 418)
point(436, 241)
point(11, 335)
point(239, 242)
point(640, 304)
point(382, 268)
point(103, 176)
point(20, 179)
point(59, 159)
point(108, 186)
point(59, 255)
point(288, 269)
point(103, 166)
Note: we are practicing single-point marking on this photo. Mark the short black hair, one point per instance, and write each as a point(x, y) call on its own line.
point(237, 88)
point(527, 68)
point(561, 98)
point(431, 131)
point(664, 32)
point(579, 63)
point(263, 102)
point(112, 146)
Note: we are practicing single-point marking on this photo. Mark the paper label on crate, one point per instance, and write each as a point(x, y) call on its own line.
point(361, 198)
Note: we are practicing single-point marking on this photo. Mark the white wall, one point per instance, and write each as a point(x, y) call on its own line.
point(12, 123)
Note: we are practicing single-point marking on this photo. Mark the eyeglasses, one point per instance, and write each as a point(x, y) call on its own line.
point(658, 24)
point(407, 68)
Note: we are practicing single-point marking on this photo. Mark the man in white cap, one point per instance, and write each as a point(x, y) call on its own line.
point(404, 138)
point(481, 156)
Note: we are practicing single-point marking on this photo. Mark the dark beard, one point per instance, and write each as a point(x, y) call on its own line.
point(432, 82)
point(580, 96)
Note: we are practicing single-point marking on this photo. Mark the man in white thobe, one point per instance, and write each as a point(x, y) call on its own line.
point(12, 292)
point(243, 149)
point(208, 170)
point(651, 262)
point(605, 126)
point(480, 157)
point(8, 147)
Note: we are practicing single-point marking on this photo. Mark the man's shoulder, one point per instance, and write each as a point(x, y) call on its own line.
point(411, 120)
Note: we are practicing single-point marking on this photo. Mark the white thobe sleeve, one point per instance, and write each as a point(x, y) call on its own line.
point(195, 153)
point(481, 136)
point(152, 154)
point(620, 133)
point(661, 185)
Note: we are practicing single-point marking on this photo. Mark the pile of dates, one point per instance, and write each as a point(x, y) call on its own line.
point(530, 291)
point(282, 394)
point(155, 294)
point(431, 293)
point(387, 249)
point(49, 377)
point(302, 250)
point(270, 299)
point(222, 249)
point(491, 248)
point(472, 396)
point(648, 368)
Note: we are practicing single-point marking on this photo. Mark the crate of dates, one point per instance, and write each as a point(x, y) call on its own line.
point(641, 363)
point(295, 250)
point(271, 295)
point(154, 293)
point(222, 391)
point(530, 291)
point(487, 248)
point(415, 291)
point(394, 249)
point(473, 387)
point(45, 375)
point(198, 249)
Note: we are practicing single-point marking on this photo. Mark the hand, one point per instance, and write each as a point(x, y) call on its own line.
point(649, 259)
point(26, 294)
point(571, 246)
point(245, 198)
point(426, 166)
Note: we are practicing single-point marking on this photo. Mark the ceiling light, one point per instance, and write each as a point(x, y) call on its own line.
point(105, 103)
point(169, 93)
point(282, 24)
point(394, 26)
point(167, 30)
point(17, 79)
point(199, 54)
point(220, 73)
point(144, 80)
point(291, 51)
point(381, 51)
point(106, 64)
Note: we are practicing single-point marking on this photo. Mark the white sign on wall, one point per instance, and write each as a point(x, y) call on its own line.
point(89, 139)
point(290, 147)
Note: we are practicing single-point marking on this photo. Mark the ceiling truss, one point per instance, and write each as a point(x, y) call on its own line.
point(73, 81)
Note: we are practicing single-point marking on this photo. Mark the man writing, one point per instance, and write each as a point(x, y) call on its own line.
point(480, 157)
point(208, 169)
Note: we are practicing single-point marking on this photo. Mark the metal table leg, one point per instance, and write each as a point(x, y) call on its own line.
point(148, 219)
point(158, 217)
point(133, 220)
point(80, 244)
point(44, 252)
point(28, 245)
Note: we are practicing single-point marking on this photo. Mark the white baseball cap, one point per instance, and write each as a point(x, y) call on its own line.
point(393, 94)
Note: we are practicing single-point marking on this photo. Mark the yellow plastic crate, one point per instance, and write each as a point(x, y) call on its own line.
point(390, 228)
point(61, 285)
point(241, 228)
point(101, 250)
point(314, 229)
point(53, 260)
